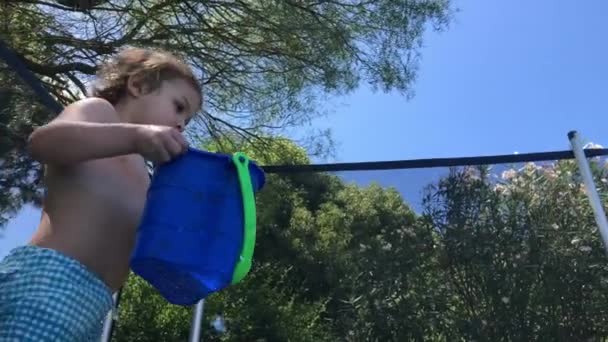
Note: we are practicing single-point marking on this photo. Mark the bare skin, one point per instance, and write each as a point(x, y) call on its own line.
point(95, 173)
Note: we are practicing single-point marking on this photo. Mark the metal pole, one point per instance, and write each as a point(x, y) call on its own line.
point(108, 326)
point(197, 322)
point(594, 198)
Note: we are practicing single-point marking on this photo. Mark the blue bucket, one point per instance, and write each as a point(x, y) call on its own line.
point(197, 231)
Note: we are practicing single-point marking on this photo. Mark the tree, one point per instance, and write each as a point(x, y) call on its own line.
point(265, 65)
point(521, 257)
point(516, 257)
point(261, 62)
point(19, 111)
point(362, 251)
point(332, 261)
point(263, 306)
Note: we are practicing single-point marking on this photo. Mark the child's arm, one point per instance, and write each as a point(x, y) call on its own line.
point(90, 129)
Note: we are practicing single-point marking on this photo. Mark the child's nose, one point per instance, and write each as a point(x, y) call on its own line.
point(181, 125)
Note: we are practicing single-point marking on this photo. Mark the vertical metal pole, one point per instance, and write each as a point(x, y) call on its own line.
point(594, 198)
point(108, 326)
point(197, 322)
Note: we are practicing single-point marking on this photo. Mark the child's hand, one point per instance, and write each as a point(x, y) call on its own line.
point(160, 143)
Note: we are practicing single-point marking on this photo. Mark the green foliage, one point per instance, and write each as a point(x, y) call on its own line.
point(516, 257)
point(509, 257)
point(145, 316)
point(521, 255)
point(274, 150)
point(19, 174)
point(321, 244)
point(265, 65)
point(19, 112)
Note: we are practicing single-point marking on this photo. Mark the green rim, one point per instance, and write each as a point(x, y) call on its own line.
point(243, 265)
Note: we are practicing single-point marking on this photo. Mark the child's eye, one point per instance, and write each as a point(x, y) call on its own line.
point(179, 107)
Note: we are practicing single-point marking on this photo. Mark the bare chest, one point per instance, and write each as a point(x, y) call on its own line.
point(116, 187)
point(127, 181)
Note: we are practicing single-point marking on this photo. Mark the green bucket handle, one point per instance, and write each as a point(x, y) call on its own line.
point(243, 265)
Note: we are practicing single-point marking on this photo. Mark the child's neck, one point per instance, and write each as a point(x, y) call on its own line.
point(125, 111)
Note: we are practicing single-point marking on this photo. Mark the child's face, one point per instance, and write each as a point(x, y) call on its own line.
point(173, 104)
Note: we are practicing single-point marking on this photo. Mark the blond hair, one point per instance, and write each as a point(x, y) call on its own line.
point(149, 67)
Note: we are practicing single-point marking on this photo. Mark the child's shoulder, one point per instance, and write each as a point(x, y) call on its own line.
point(93, 109)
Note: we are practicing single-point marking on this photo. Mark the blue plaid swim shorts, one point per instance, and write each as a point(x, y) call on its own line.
point(47, 296)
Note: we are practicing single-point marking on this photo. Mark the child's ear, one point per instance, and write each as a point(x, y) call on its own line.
point(134, 86)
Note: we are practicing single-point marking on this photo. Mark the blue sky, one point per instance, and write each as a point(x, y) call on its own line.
point(507, 76)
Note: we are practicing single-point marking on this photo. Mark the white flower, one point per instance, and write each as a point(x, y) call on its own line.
point(551, 173)
point(505, 300)
point(555, 226)
point(509, 174)
point(593, 146)
point(575, 241)
point(499, 188)
point(585, 249)
point(531, 167)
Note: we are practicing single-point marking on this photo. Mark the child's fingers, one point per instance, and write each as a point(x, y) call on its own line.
point(173, 147)
point(180, 140)
point(163, 155)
